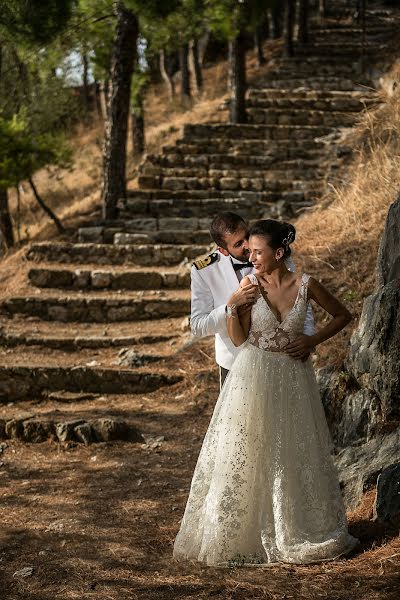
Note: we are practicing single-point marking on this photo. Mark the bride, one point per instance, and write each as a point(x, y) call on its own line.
point(265, 488)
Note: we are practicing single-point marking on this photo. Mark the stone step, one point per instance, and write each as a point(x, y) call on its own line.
point(342, 51)
point(267, 93)
point(101, 254)
point(147, 208)
point(250, 196)
point(287, 170)
point(35, 427)
point(295, 117)
point(95, 279)
point(251, 131)
point(241, 147)
point(338, 104)
point(100, 234)
point(269, 183)
point(99, 307)
point(26, 383)
point(148, 223)
point(93, 336)
point(319, 83)
point(228, 161)
point(311, 65)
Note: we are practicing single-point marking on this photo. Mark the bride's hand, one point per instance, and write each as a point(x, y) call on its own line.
point(301, 348)
point(245, 294)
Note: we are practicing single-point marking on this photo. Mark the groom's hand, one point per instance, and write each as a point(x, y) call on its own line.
point(301, 347)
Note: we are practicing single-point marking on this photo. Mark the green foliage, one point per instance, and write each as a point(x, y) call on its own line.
point(22, 153)
point(228, 17)
point(36, 21)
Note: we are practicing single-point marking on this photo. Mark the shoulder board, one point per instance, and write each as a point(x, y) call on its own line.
point(205, 262)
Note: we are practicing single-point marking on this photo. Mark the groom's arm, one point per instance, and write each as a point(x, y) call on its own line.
point(204, 318)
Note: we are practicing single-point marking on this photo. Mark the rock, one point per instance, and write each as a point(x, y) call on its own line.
point(131, 238)
point(374, 355)
point(361, 417)
point(83, 433)
point(2, 430)
point(14, 429)
point(58, 313)
point(106, 430)
point(36, 431)
point(388, 264)
point(101, 279)
point(91, 235)
point(66, 431)
point(359, 466)
point(387, 503)
point(81, 278)
point(132, 358)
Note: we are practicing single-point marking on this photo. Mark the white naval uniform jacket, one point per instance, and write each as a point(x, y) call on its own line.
point(212, 286)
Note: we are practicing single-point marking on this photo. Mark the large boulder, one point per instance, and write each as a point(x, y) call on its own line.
point(359, 466)
point(388, 264)
point(374, 355)
point(362, 401)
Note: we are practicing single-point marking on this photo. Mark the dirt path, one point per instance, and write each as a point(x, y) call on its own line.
point(99, 522)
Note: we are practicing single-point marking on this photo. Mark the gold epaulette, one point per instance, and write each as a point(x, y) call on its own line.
point(205, 262)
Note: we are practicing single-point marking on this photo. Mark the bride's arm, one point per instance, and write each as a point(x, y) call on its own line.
point(239, 311)
point(340, 318)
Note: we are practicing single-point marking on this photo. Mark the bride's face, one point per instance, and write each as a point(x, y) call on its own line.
point(263, 257)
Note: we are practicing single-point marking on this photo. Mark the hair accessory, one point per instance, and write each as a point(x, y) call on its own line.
point(288, 239)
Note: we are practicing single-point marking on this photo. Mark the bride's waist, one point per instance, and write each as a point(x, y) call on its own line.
point(267, 348)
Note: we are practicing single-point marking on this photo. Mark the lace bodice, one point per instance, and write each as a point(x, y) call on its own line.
point(266, 332)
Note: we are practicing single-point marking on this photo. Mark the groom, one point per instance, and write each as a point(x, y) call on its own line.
point(215, 282)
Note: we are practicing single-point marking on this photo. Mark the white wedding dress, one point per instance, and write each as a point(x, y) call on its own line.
point(265, 488)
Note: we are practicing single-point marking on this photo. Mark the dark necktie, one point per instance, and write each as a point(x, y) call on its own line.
point(240, 266)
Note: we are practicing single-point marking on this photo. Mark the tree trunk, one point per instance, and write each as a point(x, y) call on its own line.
point(363, 40)
point(5, 219)
point(164, 74)
point(202, 47)
point(47, 210)
point(116, 130)
point(277, 21)
point(184, 67)
point(237, 79)
point(289, 22)
point(194, 65)
point(85, 83)
point(258, 40)
point(303, 21)
point(137, 124)
point(103, 98)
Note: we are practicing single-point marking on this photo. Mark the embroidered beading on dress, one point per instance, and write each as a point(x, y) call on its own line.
point(266, 332)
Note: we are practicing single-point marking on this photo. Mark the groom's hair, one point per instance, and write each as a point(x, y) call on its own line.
point(223, 223)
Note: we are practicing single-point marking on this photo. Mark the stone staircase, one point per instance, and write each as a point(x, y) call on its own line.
point(125, 284)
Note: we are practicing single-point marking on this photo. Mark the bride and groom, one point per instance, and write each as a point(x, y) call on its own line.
point(265, 488)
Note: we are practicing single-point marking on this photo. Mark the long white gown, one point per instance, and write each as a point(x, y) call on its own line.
point(265, 488)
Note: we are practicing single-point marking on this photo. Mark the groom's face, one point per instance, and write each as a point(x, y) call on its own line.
point(237, 244)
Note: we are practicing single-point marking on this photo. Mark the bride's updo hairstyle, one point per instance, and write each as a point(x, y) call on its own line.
point(276, 233)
